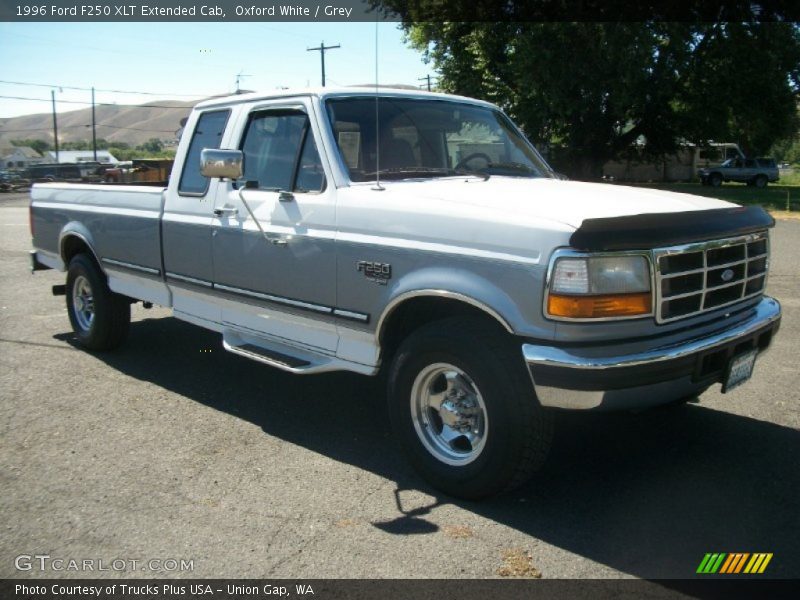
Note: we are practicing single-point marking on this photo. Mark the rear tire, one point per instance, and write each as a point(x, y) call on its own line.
point(99, 317)
point(489, 433)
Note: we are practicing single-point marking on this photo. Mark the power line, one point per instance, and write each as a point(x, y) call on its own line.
point(98, 125)
point(137, 129)
point(37, 129)
point(89, 103)
point(84, 89)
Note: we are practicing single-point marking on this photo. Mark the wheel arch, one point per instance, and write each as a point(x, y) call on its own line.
point(75, 239)
point(415, 308)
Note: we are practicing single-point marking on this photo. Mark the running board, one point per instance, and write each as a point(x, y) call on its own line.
point(277, 354)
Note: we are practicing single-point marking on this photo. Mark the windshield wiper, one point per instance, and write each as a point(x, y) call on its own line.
point(513, 166)
point(425, 171)
point(482, 174)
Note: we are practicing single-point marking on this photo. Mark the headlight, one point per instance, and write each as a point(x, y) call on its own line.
point(599, 287)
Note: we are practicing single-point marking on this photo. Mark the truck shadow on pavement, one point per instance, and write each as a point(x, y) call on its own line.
point(647, 494)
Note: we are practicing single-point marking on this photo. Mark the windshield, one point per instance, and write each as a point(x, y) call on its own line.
point(428, 138)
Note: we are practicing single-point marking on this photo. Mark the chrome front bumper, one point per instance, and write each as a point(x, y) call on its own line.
point(579, 378)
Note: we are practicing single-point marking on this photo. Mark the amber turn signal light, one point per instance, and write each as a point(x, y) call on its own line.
point(593, 307)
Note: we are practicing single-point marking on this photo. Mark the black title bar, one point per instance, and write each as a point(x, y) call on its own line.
point(730, 588)
point(397, 10)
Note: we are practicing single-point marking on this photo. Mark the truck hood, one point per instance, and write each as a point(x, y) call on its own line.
point(502, 217)
point(566, 202)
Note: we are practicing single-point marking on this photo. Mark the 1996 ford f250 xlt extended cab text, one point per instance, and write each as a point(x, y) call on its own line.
point(486, 288)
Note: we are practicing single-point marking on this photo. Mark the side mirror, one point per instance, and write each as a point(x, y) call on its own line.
point(225, 164)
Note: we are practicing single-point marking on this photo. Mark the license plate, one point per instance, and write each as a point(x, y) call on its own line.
point(739, 370)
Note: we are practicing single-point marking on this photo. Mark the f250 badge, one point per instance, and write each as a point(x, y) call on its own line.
point(377, 272)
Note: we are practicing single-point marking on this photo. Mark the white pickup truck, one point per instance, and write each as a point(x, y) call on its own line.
point(422, 236)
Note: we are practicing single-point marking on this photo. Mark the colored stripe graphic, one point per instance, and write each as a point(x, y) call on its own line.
point(711, 563)
point(734, 563)
point(758, 563)
point(726, 565)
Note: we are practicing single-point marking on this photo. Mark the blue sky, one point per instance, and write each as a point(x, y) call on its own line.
point(192, 59)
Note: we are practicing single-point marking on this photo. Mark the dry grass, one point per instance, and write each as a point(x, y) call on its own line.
point(346, 523)
point(782, 214)
point(458, 531)
point(518, 563)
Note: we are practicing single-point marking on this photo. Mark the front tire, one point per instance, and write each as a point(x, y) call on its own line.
point(715, 180)
point(99, 317)
point(760, 181)
point(463, 408)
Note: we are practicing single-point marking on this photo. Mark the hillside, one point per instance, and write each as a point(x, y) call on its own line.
point(130, 124)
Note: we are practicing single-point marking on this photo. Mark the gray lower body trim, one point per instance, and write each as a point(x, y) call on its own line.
point(131, 266)
point(353, 316)
point(192, 280)
point(277, 299)
point(291, 302)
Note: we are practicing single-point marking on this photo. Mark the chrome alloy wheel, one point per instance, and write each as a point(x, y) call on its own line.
point(449, 414)
point(83, 302)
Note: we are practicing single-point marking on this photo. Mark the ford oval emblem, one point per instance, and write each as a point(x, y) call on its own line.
point(727, 275)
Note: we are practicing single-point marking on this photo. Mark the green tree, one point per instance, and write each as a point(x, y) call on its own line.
point(593, 89)
point(76, 145)
point(40, 146)
point(787, 151)
point(125, 152)
point(153, 146)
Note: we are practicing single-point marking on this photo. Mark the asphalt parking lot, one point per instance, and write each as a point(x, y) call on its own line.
point(171, 448)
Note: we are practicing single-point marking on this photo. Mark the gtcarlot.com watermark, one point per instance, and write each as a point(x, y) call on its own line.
point(47, 563)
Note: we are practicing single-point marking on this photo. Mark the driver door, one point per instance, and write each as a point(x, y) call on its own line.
point(273, 242)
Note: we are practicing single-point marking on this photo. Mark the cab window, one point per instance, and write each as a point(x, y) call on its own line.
point(280, 153)
point(207, 134)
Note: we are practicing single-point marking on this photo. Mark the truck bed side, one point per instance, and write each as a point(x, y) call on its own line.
point(121, 225)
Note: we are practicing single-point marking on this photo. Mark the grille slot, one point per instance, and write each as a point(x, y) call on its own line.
point(696, 278)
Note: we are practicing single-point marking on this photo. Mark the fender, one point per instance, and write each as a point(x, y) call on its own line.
point(454, 284)
point(80, 231)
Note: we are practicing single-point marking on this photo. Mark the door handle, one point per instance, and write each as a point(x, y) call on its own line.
point(226, 210)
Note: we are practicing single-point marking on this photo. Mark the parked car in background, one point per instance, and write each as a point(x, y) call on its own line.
point(10, 181)
point(752, 171)
point(54, 172)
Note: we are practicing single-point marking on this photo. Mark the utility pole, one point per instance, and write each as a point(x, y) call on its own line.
point(321, 49)
point(55, 122)
point(426, 78)
point(94, 129)
point(241, 75)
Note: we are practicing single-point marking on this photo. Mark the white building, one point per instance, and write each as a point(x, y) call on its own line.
point(21, 157)
point(79, 156)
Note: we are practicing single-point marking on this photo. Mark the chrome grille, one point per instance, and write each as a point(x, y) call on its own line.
point(696, 278)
